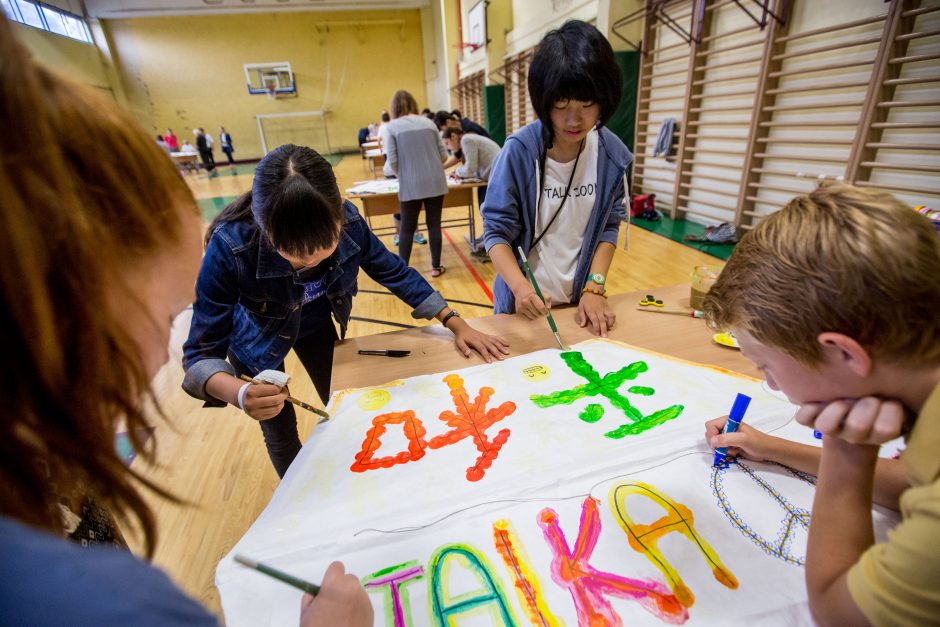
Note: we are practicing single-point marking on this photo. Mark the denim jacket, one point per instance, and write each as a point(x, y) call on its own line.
point(511, 204)
point(248, 298)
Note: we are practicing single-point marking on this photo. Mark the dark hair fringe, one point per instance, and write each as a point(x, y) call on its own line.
point(574, 61)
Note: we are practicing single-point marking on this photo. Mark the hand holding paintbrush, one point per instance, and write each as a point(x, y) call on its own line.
point(280, 379)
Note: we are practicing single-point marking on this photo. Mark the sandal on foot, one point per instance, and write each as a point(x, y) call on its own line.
point(436, 272)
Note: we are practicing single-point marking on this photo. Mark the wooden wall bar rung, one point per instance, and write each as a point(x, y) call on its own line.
point(747, 44)
point(929, 191)
point(672, 73)
point(833, 29)
point(713, 164)
point(814, 88)
point(778, 173)
point(906, 125)
point(715, 151)
point(729, 138)
point(709, 191)
point(818, 105)
point(718, 66)
point(707, 204)
point(746, 107)
point(774, 188)
point(764, 201)
point(709, 177)
point(820, 68)
point(730, 94)
point(666, 61)
point(838, 46)
point(917, 35)
point(914, 80)
point(664, 86)
point(656, 178)
point(807, 140)
point(914, 58)
point(718, 5)
point(807, 124)
point(880, 165)
point(764, 155)
point(718, 123)
point(909, 103)
point(725, 79)
point(753, 214)
point(681, 44)
point(663, 99)
point(921, 11)
point(730, 33)
point(896, 146)
point(704, 214)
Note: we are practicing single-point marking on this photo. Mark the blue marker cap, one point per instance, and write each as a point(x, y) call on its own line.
point(741, 402)
point(817, 434)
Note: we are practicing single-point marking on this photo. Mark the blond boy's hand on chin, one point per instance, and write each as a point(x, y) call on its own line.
point(865, 421)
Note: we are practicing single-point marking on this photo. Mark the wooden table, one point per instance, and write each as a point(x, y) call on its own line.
point(186, 161)
point(432, 348)
point(460, 195)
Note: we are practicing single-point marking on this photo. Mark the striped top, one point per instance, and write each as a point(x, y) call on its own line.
point(416, 153)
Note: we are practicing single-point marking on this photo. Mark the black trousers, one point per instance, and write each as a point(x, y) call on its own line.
point(280, 433)
point(410, 210)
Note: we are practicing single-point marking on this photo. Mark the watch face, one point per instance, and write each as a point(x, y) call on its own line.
point(597, 278)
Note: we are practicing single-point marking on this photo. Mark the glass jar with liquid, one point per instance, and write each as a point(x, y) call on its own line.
point(703, 277)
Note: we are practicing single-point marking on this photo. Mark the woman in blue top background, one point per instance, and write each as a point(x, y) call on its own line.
point(557, 187)
point(280, 267)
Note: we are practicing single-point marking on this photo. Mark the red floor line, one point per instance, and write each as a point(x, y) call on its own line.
point(466, 262)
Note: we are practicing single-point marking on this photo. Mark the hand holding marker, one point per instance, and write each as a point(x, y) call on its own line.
point(735, 418)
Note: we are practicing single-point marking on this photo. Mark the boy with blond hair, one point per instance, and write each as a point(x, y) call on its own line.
point(836, 299)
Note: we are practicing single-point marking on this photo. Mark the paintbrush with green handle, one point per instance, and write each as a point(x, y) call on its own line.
point(535, 286)
point(300, 584)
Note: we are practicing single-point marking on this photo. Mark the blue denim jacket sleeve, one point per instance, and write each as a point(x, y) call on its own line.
point(402, 280)
point(205, 350)
point(503, 205)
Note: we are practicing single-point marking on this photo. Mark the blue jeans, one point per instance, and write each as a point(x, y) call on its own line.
point(280, 433)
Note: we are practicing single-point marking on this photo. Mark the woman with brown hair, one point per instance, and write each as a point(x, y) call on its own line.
point(99, 249)
point(416, 156)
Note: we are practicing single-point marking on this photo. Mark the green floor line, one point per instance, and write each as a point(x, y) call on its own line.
point(676, 230)
point(211, 207)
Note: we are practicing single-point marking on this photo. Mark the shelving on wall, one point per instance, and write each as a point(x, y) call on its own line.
point(766, 103)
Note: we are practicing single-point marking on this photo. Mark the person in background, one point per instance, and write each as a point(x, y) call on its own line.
point(187, 148)
point(443, 120)
point(557, 188)
point(280, 271)
point(479, 154)
point(225, 138)
point(390, 174)
point(804, 294)
point(79, 355)
point(210, 143)
point(163, 145)
point(202, 146)
point(416, 155)
point(171, 140)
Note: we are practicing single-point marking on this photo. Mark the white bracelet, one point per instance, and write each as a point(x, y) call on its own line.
point(241, 395)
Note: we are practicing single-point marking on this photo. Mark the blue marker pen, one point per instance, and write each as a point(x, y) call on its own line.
point(741, 402)
point(817, 434)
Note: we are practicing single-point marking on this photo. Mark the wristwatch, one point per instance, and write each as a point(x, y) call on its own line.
point(453, 314)
point(598, 278)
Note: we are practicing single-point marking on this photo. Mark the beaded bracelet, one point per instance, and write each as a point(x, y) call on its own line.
point(593, 291)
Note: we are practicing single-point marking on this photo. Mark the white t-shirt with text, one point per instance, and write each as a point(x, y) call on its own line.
point(555, 258)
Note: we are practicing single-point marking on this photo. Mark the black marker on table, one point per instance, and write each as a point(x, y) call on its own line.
point(386, 352)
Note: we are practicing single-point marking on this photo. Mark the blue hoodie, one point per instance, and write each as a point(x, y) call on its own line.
point(511, 204)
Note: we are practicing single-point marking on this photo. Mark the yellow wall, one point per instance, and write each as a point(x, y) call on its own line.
point(186, 72)
point(79, 61)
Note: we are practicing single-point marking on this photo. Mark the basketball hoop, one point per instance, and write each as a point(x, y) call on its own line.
point(271, 88)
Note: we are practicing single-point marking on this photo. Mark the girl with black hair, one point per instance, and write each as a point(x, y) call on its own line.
point(557, 187)
point(280, 266)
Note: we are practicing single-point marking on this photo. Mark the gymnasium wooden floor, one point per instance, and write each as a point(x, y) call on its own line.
point(215, 459)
